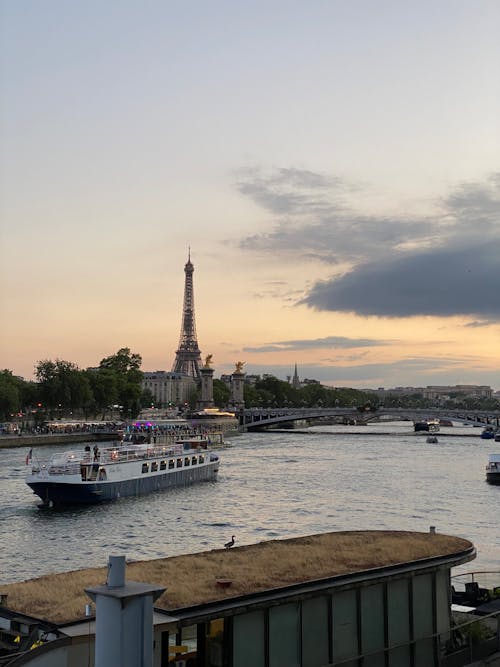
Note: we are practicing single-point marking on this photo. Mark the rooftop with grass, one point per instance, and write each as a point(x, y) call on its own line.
point(221, 574)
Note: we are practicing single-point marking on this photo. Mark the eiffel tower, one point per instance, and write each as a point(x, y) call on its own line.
point(188, 356)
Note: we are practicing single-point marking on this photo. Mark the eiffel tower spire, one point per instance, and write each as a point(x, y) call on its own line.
point(188, 355)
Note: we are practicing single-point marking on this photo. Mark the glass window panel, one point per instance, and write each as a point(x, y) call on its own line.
point(315, 632)
point(248, 640)
point(398, 612)
point(424, 653)
point(422, 606)
point(399, 656)
point(345, 626)
point(284, 636)
point(214, 643)
point(372, 625)
point(443, 601)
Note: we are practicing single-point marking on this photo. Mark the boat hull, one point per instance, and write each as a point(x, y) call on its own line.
point(493, 477)
point(92, 492)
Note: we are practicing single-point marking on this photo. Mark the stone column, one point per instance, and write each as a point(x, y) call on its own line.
point(237, 383)
point(207, 388)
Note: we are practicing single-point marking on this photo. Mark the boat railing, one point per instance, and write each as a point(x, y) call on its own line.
point(70, 469)
point(69, 463)
point(464, 643)
point(488, 580)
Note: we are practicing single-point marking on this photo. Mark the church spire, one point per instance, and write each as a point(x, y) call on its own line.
point(295, 379)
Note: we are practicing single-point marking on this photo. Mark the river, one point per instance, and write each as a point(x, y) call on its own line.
point(270, 486)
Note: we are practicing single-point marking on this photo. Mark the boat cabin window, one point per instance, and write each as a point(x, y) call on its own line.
point(179, 463)
point(145, 467)
point(154, 466)
point(163, 465)
point(171, 464)
point(186, 461)
point(194, 461)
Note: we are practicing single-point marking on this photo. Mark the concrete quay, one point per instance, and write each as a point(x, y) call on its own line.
point(8, 441)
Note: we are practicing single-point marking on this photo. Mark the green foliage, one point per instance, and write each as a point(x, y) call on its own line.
point(271, 392)
point(147, 398)
point(221, 393)
point(126, 368)
point(63, 387)
point(104, 385)
point(251, 396)
point(9, 395)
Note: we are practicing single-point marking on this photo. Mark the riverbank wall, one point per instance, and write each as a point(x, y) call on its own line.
point(8, 441)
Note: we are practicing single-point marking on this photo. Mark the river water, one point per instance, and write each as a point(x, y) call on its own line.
point(270, 486)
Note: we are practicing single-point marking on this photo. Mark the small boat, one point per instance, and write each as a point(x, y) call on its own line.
point(432, 439)
point(427, 425)
point(488, 433)
point(493, 469)
point(117, 471)
point(476, 592)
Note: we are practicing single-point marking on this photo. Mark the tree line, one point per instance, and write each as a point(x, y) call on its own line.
point(62, 389)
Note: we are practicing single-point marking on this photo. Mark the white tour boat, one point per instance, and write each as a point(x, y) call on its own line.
point(124, 469)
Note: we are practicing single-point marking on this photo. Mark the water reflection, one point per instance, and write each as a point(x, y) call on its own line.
point(274, 485)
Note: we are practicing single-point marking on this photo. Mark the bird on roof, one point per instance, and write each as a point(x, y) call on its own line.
point(229, 544)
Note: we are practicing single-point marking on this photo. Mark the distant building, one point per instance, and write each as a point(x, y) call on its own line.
point(168, 388)
point(472, 390)
point(252, 379)
point(295, 380)
point(381, 392)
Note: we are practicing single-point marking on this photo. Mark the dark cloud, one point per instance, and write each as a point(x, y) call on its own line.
point(478, 324)
point(461, 281)
point(445, 264)
point(289, 191)
point(329, 342)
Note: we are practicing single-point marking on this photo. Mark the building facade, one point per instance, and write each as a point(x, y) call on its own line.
point(169, 389)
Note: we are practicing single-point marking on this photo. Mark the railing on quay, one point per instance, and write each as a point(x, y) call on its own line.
point(461, 645)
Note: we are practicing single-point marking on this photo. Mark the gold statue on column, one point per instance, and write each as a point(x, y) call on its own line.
point(239, 366)
point(208, 361)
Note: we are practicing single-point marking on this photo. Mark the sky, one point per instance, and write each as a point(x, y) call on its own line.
point(333, 167)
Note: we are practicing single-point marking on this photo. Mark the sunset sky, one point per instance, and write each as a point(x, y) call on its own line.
point(334, 167)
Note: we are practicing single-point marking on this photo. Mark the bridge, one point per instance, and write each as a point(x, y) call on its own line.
point(254, 419)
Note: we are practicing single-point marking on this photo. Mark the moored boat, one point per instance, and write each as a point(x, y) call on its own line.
point(488, 433)
point(493, 469)
point(426, 425)
point(128, 469)
point(476, 592)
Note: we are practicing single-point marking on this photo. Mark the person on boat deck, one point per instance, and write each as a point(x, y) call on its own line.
point(96, 452)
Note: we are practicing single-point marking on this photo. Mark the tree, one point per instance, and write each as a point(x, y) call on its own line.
point(63, 386)
point(221, 393)
point(251, 396)
point(103, 383)
point(147, 398)
point(9, 395)
point(126, 367)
